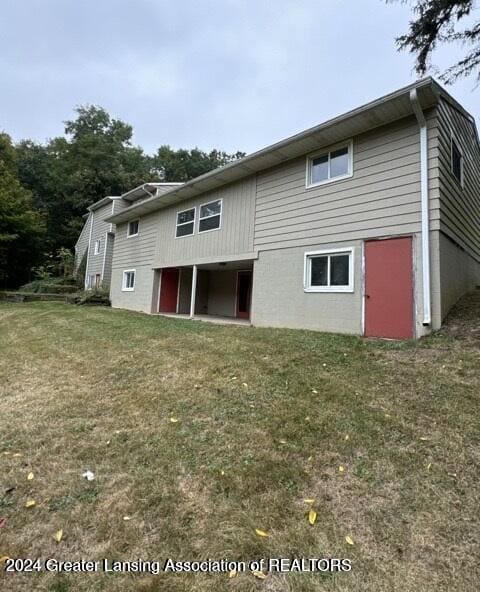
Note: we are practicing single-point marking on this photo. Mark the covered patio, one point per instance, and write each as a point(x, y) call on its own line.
point(218, 292)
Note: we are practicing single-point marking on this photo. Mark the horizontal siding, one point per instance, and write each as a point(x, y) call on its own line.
point(99, 232)
point(459, 212)
point(82, 242)
point(381, 198)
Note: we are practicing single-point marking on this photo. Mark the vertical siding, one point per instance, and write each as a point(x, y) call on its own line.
point(381, 198)
point(235, 236)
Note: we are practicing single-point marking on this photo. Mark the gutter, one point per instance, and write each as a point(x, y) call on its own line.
point(425, 235)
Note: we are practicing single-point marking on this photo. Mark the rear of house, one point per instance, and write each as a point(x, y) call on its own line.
point(367, 224)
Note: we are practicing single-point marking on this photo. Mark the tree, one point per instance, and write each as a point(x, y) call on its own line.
point(21, 226)
point(437, 22)
point(183, 165)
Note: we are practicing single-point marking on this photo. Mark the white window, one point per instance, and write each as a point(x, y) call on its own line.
point(98, 247)
point(90, 282)
point(456, 162)
point(329, 271)
point(210, 216)
point(331, 165)
point(185, 223)
point(128, 284)
point(132, 229)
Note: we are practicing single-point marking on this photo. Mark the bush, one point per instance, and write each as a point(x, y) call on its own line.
point(58, 285)
point(97, 297)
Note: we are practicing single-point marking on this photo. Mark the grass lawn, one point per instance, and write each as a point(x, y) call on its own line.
point(384, 436)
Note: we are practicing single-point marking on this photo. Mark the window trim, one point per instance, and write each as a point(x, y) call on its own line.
point(124, 280)
point(308, 255)
point(323, 152)
point(453, 140)
point(97, 247)
point(128, 228)
point(194, 208)
point(200, 218)
point(90, 281)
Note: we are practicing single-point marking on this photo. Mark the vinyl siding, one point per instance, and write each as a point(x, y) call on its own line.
point(99, 232)
point(82, 242)
point(381, 198)
point(459, 210)
point(235, 236)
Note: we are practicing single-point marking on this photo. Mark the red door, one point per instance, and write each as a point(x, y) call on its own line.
point(244, 294)
point(168, 290)
point(389, 288)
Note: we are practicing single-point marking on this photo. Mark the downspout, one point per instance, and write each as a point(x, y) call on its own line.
point(89, 249)
point(422, 124)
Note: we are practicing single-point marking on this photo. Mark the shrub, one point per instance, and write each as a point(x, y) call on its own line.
point(97, 297)
point(57, 285)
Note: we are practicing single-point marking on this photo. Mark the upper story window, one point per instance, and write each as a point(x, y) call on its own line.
point(329, 271)
point(185, 223)
point(331, 165)
point(210, 216)
point(132, 229)
point(98, 247)
point(457, 162)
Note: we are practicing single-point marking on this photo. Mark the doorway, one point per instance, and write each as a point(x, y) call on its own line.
point(389, 288)
point(244, 294)
point(167, 301)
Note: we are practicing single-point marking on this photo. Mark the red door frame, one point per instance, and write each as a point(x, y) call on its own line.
point(168, 290)
point(389, 288)
point(238, 313)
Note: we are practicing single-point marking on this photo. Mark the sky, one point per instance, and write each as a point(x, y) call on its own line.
point(226, 74)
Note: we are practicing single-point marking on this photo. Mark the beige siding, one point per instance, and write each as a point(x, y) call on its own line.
point(380, 199)
point(107, 266)
point(459, 212)
point(235, 236)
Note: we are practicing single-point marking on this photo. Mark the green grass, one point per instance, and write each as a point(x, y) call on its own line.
point(265, 419)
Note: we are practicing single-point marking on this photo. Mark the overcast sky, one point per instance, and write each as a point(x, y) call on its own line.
point(227, 74)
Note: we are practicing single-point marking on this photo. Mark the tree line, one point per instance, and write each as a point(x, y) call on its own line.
point(46, 188)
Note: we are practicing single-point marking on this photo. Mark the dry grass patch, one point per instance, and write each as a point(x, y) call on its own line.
point(262, 419)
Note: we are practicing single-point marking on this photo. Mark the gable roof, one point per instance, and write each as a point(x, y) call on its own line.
point(384, 110)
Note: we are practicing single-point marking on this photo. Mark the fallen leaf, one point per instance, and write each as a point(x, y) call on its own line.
point(423, 439)
point(341, 469)
point(222, 472)
point(309, 500)
point(307, 418)
point(17, 454)
point(347, 437)
point(3, 521)
point(89, 476)
point(244, 384)
point(30, 476)
point(314, 392)
point(234, 378)
point(387, 415)
point(324, 365)
point(4, 558)
point(282, 441)
point(58, 535)
point(261, 533)
point(30, 503)
point(349, 540)
point(127, 518)
point(173, 420)
point(232, 573)
point(312, 517)
point(429, 466)
point(259, 574)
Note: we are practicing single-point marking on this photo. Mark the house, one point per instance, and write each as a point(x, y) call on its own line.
point(96, 240)
point(367, 224)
